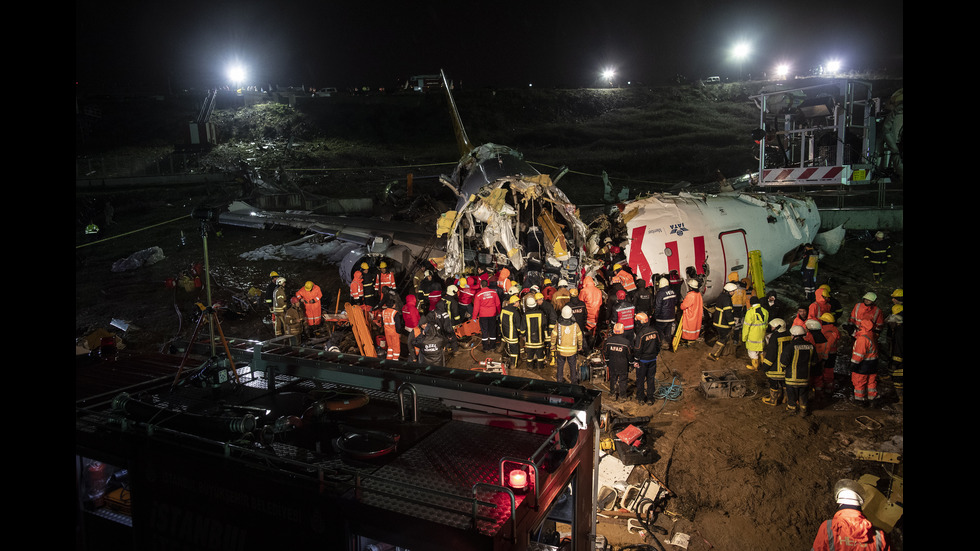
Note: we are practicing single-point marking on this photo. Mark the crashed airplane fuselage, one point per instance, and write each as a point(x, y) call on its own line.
point(507, 212)
point(714, 234)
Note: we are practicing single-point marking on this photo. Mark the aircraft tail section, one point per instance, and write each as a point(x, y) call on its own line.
point(462, 140)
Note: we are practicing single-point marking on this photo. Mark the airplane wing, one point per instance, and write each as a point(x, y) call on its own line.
point(399, 241)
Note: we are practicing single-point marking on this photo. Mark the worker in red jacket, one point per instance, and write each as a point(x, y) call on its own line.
point(849, 530)
point(486, 308)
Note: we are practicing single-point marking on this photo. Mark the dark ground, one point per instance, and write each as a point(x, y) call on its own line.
point(743, 475)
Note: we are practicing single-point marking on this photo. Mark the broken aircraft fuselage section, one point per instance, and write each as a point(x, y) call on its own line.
point(509, 212)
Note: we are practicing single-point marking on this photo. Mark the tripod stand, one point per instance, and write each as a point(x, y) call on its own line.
point(208, 312)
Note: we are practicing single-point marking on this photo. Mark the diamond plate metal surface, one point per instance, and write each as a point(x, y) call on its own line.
point(434, 480)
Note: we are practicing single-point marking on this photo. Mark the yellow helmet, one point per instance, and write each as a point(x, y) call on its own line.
point(897, 293)
point(364, 266)
point(462, 282)
point(383, 265)
point(513, 299)
point(308, 286)
point(828, 317)
point(538, 296)
point(274, 274)
point(617, 267)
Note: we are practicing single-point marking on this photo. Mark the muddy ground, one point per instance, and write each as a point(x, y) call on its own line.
point(742, 475)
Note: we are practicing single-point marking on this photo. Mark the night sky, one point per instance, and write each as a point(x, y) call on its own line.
point(184, 44)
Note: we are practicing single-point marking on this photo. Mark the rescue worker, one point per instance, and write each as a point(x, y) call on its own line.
point(864, 364)
point(754, 332)
point(270, 289)
point(278, 307)
point(561, 296)
point(449, 298)
point(486, 309)
point(808, 270)
point(832, 334)
point(773, 305)
point(310, 296)
point(836, 308)
point(819, 306)
point(578, 311)
point(467, 292)
point(898, 296)
point(391, 320)
point(646, 346)
point(357, 288)
point(431, 345)
point(665, 311)
point(625, 279)
point(535, 327)
point(691, 313)
point(625, 313)
point(797, 357)
point(643, 299)
point(617, 352)
point(384, 279)
point(592, 297)
point(566, 340)
point(723, 320)
point(551, 319)
point(815, 336)
point(868, 310)
point(849, 529)
point(504, 282)
point(410, 315)
point(368, 280)
point(294, 320)
point(877, 254)
point(431, 290)
point(443, 319)
point(773, 367)
point(511, 329)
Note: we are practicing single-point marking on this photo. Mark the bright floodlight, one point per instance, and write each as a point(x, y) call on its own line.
point(741, 50)
point(236, 73)
point(608, 74)
point(782, 70)
point(833, 66)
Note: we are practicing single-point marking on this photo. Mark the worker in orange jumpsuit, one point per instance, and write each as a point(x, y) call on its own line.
point(384, 280)
point(868, 310)
point(820, 304)
point(357, 288)
point(310, 296)
point(592, 297)
point(849, 529)
point(864, 364)
point(393, 324)
point(692, 308)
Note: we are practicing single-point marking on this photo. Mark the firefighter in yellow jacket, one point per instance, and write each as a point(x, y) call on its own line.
point(566, 340)
point(754, 332)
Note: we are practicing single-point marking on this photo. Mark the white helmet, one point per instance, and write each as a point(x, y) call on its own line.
point(451, 290)
point(797, 330)
point(663, 282)
point(280, 281)
point(812, 324)
point(566, 312)
point(848, 492)
point(692, 283)
point(777, 324)
point(529, 301)
point(730, 287)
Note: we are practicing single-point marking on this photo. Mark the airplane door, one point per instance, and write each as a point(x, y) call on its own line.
point(735, 249)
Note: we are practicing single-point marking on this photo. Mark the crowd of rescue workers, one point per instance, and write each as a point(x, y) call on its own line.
point(626, 321)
